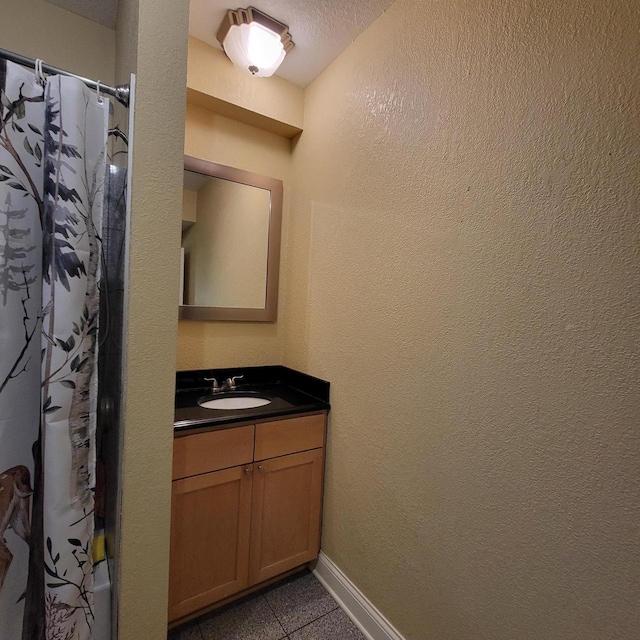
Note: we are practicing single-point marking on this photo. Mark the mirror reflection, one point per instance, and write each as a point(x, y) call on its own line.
point(231, 222)
point(225, 239)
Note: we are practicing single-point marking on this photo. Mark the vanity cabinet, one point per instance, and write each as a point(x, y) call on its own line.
point(246, 508)
point(285, 514)
point(211, 516)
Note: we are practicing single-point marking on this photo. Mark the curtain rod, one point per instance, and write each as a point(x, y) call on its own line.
point(120, 93)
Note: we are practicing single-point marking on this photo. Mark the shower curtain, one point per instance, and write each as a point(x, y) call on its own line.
point(52, 168)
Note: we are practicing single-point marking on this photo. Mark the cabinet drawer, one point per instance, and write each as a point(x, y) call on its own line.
point(204, 452)
point(283, 437)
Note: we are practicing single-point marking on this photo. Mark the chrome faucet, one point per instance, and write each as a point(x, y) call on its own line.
point(228, 385)
point(215, 387)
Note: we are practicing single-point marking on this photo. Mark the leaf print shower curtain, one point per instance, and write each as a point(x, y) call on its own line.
point(52, 167)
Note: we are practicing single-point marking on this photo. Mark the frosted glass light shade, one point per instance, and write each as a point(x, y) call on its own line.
point(254, 41)
point(254, 48)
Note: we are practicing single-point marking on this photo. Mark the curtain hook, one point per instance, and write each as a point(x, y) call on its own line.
point(98, 96)
point(40, 79)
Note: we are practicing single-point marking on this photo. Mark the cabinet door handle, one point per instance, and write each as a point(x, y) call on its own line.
point(248, 471)
point(261, 468)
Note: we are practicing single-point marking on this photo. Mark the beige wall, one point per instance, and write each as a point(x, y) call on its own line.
point(37, 29)
point(152, 41)
point(225, 344)
point(467, 204)
point(274, 103)
point(189, 205)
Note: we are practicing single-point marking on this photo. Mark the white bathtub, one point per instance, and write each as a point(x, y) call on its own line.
point(102, 601)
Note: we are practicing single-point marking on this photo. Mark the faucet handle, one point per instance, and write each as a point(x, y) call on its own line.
point(215, 385)
point(231, 382)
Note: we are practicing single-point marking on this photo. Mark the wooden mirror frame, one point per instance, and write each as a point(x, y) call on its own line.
point(270, 312)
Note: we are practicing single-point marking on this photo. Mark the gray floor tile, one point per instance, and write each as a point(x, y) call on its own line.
point(249, 620)
point(299, 601)
point(334, 626)
point(189, 631)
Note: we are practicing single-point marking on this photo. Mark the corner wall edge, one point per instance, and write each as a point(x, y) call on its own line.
point(353, 602)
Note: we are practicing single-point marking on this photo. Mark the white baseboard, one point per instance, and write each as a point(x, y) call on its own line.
point(365, 616)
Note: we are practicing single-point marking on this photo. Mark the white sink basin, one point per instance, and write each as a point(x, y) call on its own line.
point(235, 402)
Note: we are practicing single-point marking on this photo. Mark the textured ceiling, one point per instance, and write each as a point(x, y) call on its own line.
point(321, 29)
point(101, 11)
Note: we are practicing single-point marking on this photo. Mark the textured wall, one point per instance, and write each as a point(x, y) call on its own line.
point(152, 42)
point(465, 250)
point(236, 344)
point(37, 29)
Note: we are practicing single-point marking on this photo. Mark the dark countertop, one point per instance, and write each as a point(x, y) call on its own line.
point(291, 392)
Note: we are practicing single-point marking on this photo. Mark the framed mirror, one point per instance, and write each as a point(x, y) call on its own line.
point(231, 222)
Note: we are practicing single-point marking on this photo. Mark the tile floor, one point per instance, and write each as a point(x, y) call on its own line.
point(298, 608)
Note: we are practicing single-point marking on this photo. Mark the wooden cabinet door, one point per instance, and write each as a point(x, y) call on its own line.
point(285, 516)
point(210, 528)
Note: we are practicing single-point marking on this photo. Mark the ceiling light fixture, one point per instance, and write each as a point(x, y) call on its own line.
point(254, 41)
